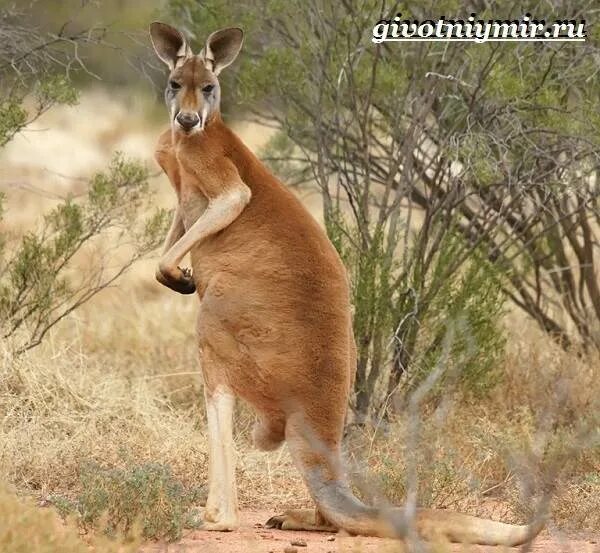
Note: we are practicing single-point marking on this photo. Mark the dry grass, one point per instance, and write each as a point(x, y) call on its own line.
point(24, 528)
point(118, 384)
point(538, 431)
point(118, 387)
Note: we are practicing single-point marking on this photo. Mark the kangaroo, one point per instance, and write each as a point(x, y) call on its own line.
point(274, 324)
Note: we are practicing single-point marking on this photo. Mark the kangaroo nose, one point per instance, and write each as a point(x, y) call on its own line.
point(188, 120)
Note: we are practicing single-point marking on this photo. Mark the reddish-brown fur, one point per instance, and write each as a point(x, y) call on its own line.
point(274, 292)
point(274, 324)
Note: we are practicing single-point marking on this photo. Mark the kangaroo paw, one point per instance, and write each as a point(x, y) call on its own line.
point(181, 280)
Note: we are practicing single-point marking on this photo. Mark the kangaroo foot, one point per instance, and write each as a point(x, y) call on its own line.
point(224, 526)
point(300, 519)
point(218, 522)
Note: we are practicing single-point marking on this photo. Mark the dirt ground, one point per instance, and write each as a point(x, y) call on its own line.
point(252, 537)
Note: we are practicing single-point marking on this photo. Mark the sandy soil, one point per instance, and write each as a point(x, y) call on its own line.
point(253, 538)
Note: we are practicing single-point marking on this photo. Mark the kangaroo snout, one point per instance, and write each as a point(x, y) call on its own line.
point(187, 120)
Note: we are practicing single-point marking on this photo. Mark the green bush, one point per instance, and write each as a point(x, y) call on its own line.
point(40, 282)
point(40, 279)
point(144, 497)
point(27, 528)
point(464, 316)
point(13, 117)
point(438, 303)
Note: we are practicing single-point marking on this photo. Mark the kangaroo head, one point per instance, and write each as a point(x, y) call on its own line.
point(193, 94)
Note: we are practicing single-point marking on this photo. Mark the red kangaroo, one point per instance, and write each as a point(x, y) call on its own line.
point(274, 325)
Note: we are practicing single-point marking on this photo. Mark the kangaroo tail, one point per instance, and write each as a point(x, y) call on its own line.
point(320, 466)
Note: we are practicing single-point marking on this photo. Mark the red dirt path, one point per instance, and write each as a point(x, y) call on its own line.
point(253, 538)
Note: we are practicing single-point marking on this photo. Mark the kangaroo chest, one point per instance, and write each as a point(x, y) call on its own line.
point(192, 203)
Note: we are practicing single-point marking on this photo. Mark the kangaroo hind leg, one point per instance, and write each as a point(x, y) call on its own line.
point(221, 511)
point(315, 449)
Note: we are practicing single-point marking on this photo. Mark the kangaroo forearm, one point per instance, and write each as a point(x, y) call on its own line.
point(176, 231)
point(219, 214)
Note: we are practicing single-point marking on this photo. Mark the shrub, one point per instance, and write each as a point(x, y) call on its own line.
point(436, 306)
point(26, 528)
point(115, 500)
point(39, 285)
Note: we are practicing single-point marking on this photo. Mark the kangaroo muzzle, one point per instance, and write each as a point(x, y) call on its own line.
point(187, 121)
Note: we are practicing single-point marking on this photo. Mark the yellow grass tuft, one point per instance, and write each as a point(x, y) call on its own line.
point(25, 527)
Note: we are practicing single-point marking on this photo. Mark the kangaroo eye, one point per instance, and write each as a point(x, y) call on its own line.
point(208, 88)
point(174, 85)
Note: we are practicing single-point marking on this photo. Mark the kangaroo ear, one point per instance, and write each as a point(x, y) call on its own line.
point(169, 44)
point(222, 47)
